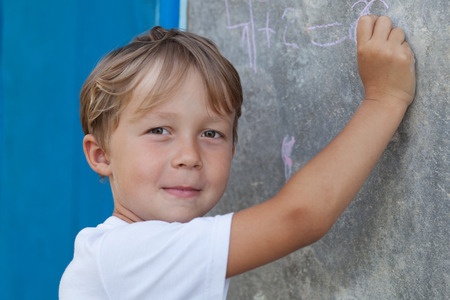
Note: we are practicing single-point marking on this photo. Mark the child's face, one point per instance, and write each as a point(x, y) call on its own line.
point(172, 163)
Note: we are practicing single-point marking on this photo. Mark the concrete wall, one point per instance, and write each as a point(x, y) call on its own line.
point(297, 61)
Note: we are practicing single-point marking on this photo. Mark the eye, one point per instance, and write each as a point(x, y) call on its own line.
point(212, 134)
point(158, 130)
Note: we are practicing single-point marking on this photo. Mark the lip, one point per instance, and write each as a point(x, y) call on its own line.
point(182, 191)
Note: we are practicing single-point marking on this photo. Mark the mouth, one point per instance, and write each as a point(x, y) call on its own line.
point(182, 191)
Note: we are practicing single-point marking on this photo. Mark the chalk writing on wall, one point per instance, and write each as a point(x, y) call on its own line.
point(366, 10)
point(252, 31)
point(286, 151)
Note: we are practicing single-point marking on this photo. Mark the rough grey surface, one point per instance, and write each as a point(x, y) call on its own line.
point(298, 67)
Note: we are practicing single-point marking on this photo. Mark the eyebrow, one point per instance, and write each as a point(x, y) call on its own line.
point(214, 117)
point(139, 115)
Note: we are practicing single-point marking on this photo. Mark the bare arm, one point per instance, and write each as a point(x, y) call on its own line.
point(313, 199)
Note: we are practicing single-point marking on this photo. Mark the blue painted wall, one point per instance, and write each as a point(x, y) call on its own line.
point(47, 191)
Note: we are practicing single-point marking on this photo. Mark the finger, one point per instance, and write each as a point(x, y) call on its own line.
point(364, 30)
point(397, 35)
point(406, 46)
point(382, 28)
point(410, 55)
point(409, 50)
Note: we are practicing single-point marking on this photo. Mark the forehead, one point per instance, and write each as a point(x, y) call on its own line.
point(160, 82)
point(188, 97)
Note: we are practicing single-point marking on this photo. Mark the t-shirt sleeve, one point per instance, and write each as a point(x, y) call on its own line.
point(159, 260)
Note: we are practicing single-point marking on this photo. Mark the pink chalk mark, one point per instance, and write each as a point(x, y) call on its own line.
point(286, 151)
point(267, 30)
point(248, 33)
point(294, 45)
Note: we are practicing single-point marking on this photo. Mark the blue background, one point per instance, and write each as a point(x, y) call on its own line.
point(47, 190)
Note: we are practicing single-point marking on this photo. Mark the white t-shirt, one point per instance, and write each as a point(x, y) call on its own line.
point(150, 260)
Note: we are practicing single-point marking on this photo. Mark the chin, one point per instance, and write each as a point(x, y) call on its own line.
point(179, 219)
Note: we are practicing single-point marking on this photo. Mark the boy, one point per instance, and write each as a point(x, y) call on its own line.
point(160, 118)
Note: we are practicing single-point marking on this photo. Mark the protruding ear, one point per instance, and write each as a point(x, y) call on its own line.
point(96, 156)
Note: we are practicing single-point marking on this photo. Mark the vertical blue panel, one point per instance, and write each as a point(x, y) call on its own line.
point(169, 13)
point(36, 150)
point(47, 191)
point(3, 258)
point(1, 100)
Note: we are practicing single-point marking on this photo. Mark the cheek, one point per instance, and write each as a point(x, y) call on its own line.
point(134, 181)
point(133, 170)
point(222, 168)
point(142, 169)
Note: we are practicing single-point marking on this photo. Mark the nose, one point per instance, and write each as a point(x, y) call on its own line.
point(187, 155)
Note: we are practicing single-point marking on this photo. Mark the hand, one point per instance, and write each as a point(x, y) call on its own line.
point(385, 61)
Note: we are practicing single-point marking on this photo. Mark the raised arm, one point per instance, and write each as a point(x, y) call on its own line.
point(313, 199)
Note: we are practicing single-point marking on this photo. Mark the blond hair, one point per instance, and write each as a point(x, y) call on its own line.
point(109, 88)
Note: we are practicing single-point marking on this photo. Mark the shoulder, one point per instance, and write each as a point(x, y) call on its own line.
point(116, 230)
point(156, 250)
point(144, 234)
